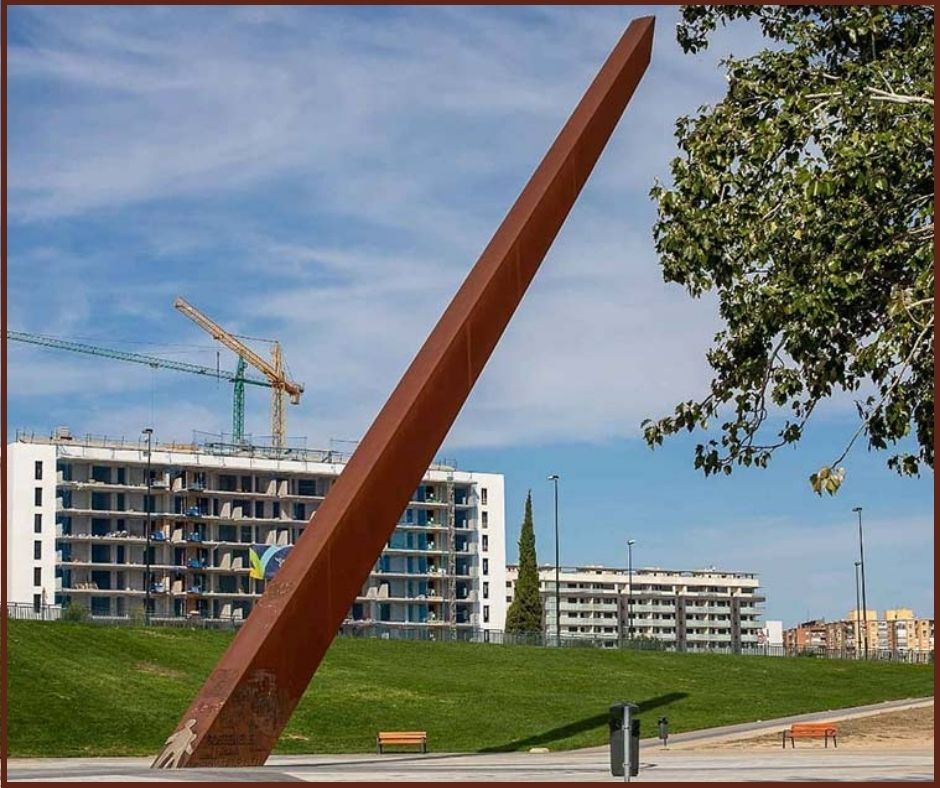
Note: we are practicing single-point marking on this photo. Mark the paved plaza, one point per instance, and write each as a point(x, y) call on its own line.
point(689, 758)
point(656, 765)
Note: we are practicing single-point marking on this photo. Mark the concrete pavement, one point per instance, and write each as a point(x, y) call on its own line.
point(574, 766)
point(656, 764)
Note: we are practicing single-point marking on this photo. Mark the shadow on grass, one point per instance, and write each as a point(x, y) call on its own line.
point(574, 728)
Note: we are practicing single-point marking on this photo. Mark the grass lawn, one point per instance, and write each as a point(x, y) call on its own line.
point(79, 689)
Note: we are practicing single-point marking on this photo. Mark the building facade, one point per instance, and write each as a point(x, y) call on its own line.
point(807, 635)
point(690, 610)
point(78, 519)
point(899, 631)
point(771, 635)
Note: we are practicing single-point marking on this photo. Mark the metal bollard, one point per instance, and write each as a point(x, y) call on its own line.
point(663, 725)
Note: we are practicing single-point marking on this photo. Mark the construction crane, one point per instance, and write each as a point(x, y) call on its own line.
point(238, 378)
point(273, 370)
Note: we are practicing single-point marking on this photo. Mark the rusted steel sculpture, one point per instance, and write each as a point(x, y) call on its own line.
point(236, 718)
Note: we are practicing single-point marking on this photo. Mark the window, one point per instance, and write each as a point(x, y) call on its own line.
point(38, 496)
point(101, 554)
point(483, 496)
point(37, 523)
point(100, 501)
point(486, 613)
point(101, 473)
point(485, 545)
point(37, 602)
point(259, 508)
point(484, 519)
point(486, 590)
point(37, 576)
point(486, 566)
point(38, 470)
point(306, 486)
point(226, 584)
point(300, 511)
point(100, 606)
point(37, 550)
point(246, 484)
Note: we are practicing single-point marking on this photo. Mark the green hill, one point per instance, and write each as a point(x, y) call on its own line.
point(79, 689)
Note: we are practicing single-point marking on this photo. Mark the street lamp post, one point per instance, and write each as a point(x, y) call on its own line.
point(861, 557)
point(858, 623)
point(149, 433)
point(630, 543)
point(554, 479)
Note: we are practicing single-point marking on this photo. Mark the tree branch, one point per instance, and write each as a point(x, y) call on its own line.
point(897, 98)
point(894, 384)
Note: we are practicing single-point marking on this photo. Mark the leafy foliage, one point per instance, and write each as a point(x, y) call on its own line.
point(74, 613)
point(525, 612)
point(804, 200)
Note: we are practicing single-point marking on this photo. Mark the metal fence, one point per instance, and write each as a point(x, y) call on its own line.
point(498, 637)
point(26, 612)
point(386, 631)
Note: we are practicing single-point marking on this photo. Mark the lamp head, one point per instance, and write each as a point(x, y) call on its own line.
point(554, 477)
point(857, 509)
point(631, 542)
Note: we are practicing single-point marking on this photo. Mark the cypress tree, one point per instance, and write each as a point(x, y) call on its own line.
point(525, 612)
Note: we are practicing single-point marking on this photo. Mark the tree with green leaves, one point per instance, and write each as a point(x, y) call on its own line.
point(804, 201)
point(525, 613)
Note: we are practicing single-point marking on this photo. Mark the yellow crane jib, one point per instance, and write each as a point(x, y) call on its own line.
point(273, 369)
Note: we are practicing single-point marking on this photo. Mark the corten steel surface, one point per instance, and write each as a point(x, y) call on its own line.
point(239, 713)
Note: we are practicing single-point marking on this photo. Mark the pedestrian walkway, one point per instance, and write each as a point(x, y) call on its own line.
point(748, 729)
point(657, 764)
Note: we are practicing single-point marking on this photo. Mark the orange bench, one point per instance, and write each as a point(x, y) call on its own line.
point(810, 730)
point(417, 738)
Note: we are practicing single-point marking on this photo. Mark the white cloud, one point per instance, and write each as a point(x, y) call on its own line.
point(415, 133)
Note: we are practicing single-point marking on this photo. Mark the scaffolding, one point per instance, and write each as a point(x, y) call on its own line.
point(450, 514)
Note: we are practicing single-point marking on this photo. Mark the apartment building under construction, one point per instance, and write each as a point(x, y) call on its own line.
point(221, 518)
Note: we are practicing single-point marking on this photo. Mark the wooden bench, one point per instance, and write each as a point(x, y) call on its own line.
point(810, 730)
point(418, 738)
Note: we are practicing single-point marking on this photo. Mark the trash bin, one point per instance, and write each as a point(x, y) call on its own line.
point(615, 722)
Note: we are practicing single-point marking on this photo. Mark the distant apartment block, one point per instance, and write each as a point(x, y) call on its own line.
point(771, 635)
point(692, 610)
point(77, 532)
point(900, 630)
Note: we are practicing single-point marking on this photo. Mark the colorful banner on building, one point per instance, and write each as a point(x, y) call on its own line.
point(266, 559)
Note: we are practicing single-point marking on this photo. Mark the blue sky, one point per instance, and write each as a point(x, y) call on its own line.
point(327, 176)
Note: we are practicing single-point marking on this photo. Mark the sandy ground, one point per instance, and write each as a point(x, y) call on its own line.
point(911, 729)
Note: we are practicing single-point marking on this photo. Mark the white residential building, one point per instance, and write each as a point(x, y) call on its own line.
point(691, 610)
point(77, 520)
